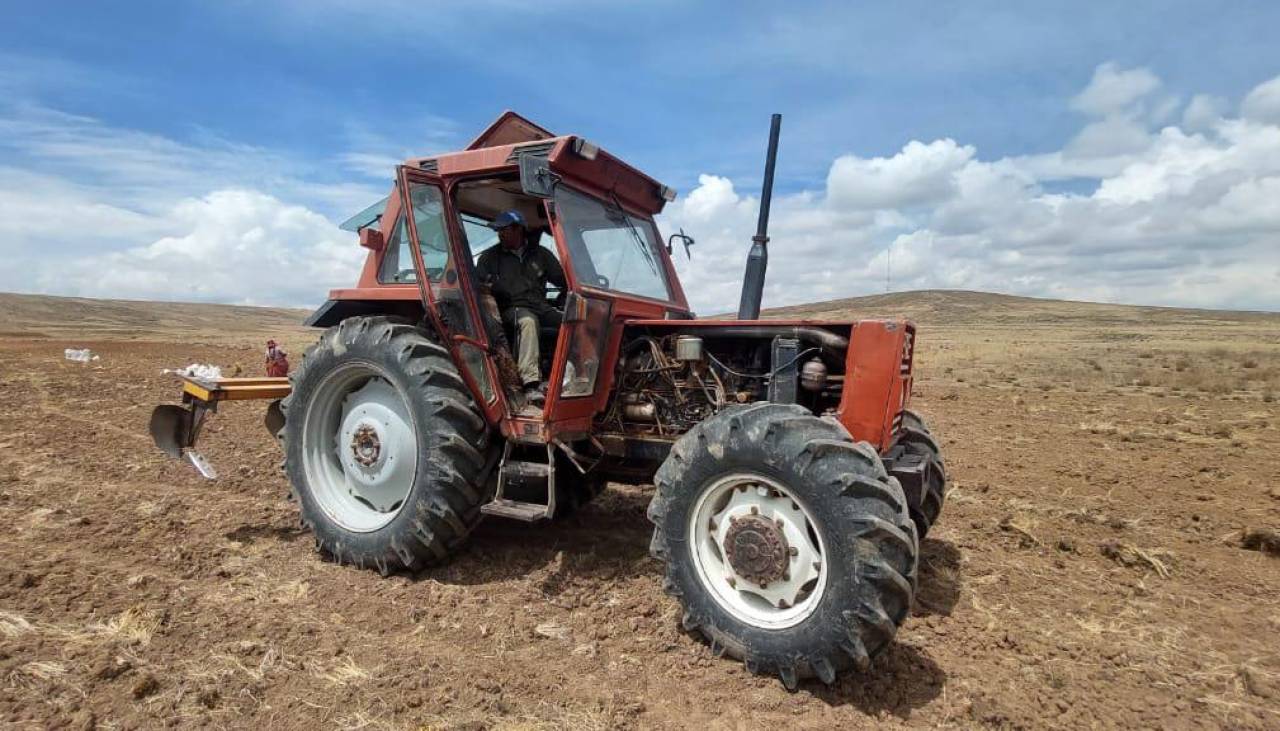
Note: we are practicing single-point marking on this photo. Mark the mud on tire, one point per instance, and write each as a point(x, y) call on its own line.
point(450, 445)
point(858, 513)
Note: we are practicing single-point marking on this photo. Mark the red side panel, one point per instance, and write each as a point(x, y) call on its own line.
point(378, 292)
point(877, 381)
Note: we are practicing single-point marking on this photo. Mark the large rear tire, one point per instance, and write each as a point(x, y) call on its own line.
point(386, 452)
point(787, 544)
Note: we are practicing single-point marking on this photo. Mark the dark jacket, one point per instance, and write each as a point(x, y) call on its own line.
point(520, 281)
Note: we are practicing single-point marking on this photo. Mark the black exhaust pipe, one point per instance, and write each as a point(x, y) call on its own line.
point(758, 259)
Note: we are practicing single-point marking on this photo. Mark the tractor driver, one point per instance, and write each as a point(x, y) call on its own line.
point(517, 272)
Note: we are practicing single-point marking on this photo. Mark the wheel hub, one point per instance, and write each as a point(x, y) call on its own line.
point(366, 445)
point(360, 448)
point(757, 549)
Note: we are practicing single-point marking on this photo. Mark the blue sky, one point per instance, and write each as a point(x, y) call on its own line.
point(294, 112)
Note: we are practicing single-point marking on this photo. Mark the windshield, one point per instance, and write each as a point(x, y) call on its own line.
point(610, 248)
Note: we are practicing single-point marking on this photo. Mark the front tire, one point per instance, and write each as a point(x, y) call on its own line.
point(386, 452)
point(787, 544)
point(926, 490)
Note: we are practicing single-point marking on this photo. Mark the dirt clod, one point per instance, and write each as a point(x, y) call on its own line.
point(1262, 539)
point(144, 686)
point(551, 630)
point(110, 668)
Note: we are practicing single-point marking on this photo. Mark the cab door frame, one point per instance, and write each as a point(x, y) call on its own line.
point(458, 275)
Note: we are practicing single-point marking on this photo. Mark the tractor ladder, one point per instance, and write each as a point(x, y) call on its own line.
point(521, 472)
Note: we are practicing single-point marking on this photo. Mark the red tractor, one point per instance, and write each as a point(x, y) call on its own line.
point(793, 486)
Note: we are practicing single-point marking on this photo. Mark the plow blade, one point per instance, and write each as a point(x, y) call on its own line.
point(176, 429)
point(170, 429)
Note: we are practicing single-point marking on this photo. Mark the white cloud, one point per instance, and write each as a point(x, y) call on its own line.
point(921, 174)
point(230, 246)
point(1170, 216)
point(91, 209)
point(1114, 90)
point(1263, 103)
point(1203, 112)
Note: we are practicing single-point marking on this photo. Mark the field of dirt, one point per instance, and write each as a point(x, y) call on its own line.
point(1100, 562)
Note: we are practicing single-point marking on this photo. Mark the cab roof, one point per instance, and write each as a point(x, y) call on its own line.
point(497, 147)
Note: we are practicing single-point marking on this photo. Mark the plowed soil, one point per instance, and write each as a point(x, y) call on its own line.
point(1109, 467)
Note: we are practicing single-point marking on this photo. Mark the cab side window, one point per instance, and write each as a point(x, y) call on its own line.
point(433, 236)
point(397, 260)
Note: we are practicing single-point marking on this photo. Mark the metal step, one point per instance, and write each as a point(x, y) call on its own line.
point(516, 510)
point(526, 470)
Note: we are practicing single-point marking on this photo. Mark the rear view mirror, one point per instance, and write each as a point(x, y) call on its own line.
point(683, 238)
point(536, 178)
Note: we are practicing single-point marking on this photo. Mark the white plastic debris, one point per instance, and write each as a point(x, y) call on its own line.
point(80, 355)
point(202, 371)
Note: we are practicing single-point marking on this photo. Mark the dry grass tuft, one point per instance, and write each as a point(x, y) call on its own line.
point(345, 672)
point(1127, 554)
point(135, 625)
point(1027, 539)
point(33, 673)
point(13, 624)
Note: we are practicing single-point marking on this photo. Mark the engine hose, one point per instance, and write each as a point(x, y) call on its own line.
point(834, 347)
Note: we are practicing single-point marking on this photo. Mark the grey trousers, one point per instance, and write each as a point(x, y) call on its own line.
point(525, 322)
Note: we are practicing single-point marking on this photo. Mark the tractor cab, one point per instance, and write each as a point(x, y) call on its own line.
point(591, 211)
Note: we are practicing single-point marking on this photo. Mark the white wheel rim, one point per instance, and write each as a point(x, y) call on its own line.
point(782, 601)
point(359, 448)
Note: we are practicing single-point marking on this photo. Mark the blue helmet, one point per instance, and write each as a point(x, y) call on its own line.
point(507, 218)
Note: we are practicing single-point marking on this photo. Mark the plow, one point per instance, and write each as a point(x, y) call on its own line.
point(792, 483)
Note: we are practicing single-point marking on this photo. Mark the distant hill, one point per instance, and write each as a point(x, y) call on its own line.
point(38, 316)
point(29, 315)
point(955, 307)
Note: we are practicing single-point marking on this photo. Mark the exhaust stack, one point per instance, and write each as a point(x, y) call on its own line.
point(758, 259)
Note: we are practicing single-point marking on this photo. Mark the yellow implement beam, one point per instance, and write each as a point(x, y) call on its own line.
point(236, 389)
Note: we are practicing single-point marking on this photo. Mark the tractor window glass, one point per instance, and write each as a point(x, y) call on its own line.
point(479, 235)
point(611, 248)
point(397, 260)
point(587, 338)
point(433, 235)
